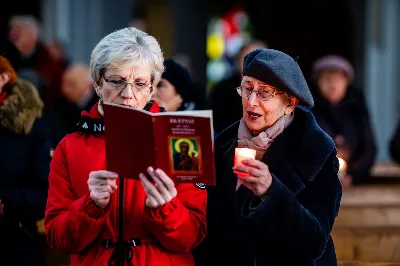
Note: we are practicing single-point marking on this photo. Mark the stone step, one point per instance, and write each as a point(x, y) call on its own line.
point(367, 244)
point(367, 228)
point(371, 196)
point(359, 263)
point(368, 217)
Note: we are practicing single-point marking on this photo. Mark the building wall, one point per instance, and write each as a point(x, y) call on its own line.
point(179, 25)
point(159, 22)
point(82, 23)
point(382, 68)
point(190, 29)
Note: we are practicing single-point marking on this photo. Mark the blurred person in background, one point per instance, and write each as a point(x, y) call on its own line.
point(24, 160)
point(77, 87)
point(278, 208)
point(394, 145)
point(224, 102)
point(198, 90)
point(174, 90)
point(57, 50)
point(22, 71)
point(24, 32)
point(162, 221)
point(341, 111)
point(78, 94)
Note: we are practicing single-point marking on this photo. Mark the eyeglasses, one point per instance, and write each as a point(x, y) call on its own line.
point(263, 92)
point(120, 84)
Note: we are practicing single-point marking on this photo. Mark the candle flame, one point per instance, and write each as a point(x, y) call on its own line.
point(245, 152)
point(342, 164)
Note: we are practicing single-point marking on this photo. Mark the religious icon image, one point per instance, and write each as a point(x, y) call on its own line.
point(185, 154)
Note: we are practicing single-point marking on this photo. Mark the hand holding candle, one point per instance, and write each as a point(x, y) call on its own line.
point(252, 173)
point(243, 154)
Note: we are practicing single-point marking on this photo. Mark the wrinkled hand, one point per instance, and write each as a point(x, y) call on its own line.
point(1, 209)
point(163, 190)
point(101, 185)
point(347, 181)
point(257, 177)
point(4, 79)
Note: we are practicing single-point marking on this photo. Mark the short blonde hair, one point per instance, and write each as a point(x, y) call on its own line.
point(124, 48)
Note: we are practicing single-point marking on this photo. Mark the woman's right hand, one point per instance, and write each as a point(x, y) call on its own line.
point(101, 185)
point(4, 79)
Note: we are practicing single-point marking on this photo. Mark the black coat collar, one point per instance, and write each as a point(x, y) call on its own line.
point(295, 157)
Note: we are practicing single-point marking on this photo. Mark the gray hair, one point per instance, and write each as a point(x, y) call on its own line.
point(124, 48)
point(28, 21)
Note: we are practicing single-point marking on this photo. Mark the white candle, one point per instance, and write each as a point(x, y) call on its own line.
point(243, 154)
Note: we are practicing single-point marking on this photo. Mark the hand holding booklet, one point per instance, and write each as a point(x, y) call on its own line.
point(180, 143)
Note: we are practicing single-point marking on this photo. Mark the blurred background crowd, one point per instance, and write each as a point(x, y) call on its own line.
point(349, 52)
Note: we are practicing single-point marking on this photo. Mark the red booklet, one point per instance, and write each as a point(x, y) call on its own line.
point(180, 143)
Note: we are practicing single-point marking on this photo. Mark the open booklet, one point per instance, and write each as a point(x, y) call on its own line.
point(180, 143)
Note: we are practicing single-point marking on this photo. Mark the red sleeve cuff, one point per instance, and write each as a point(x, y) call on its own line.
point(94, 211)
point(162, 212)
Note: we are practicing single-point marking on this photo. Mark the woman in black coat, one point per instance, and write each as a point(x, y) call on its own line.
point(279, 209)
point(340, 111)
point(24, 168)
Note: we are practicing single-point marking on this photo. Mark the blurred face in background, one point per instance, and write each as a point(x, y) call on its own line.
point(24, 38)
point(166, 96)
point(333, 85)
point(242, 53)
point(76, 83)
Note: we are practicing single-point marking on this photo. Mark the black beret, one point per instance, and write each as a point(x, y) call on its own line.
point(278, 69)
point(179, 77)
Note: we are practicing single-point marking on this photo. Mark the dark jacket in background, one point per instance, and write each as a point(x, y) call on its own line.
point(350, 119)
point(199, 96)
point(395, 145)
point(63, 116)
point(293, 224)
point(24, 169)
point(226, 103)
point(49, 70)
point(25, 70)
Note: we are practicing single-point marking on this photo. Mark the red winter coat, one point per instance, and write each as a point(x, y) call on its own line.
point(75, 225)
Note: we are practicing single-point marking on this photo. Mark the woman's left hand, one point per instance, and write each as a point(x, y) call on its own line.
point(163, 190)
point(257, 177)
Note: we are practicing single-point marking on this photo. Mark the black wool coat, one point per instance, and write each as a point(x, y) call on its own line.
point(292, 225)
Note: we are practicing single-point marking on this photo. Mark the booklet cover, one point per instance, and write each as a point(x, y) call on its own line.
point(180, 143)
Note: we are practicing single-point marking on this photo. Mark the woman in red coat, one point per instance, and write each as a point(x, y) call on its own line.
point(162, 220)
